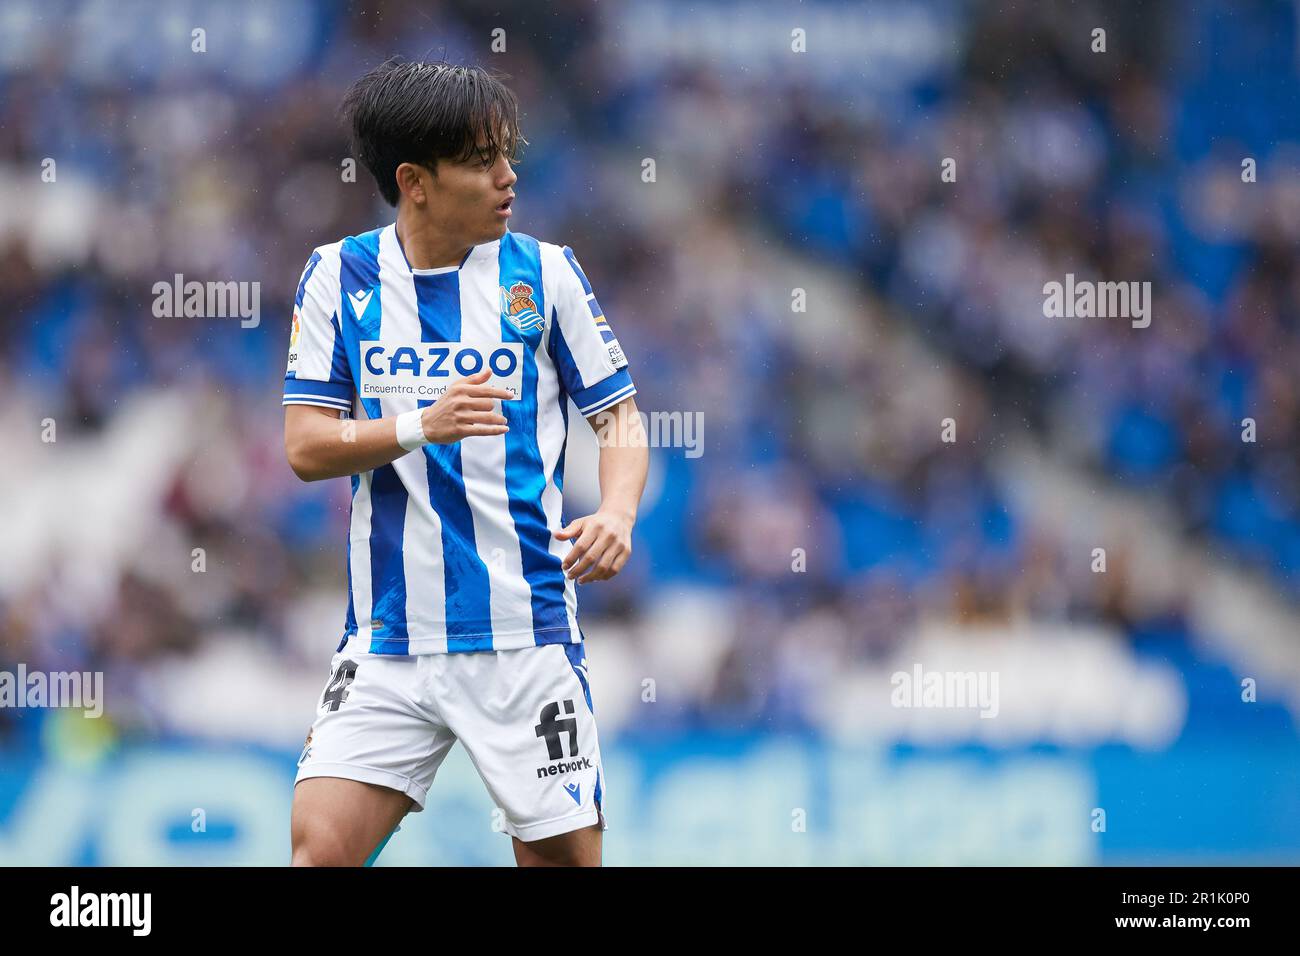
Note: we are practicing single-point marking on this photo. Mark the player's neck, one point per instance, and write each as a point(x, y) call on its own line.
point(425, 246)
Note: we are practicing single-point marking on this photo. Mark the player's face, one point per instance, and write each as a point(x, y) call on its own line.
point(473, 199)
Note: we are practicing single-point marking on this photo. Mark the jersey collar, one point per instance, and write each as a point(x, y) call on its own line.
point(442, 269)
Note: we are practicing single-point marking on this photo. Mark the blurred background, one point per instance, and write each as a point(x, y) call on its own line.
point(798, 278)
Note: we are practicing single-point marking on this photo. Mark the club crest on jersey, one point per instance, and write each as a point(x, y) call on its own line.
point(517, 305)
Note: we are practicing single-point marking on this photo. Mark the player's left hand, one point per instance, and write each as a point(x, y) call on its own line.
point(602, 546)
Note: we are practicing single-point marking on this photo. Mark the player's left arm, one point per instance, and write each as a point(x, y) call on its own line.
point(594, 373)
point(602, 542)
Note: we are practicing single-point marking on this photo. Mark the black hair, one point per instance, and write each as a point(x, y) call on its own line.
point(403, 112)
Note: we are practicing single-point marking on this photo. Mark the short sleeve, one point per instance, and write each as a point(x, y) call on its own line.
point(318, 371)
point(591, 364)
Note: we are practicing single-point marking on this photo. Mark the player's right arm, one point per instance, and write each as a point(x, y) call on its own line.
point(318, 388)
point(319, 444)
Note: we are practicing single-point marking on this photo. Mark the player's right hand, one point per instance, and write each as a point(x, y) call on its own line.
point(468, 408)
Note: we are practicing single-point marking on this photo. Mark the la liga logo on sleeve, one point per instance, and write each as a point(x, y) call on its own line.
point(294, 332)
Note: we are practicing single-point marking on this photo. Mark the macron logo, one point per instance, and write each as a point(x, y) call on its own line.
point(574, 790)
point(360, 301)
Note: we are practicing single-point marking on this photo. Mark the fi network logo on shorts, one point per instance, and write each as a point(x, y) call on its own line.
point(550, 727)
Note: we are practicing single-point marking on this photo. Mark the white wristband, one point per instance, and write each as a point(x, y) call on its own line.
point(410, 430)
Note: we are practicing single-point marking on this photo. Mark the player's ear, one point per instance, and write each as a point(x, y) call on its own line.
point(410, 180)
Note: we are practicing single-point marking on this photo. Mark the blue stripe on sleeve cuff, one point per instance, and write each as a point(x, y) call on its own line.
point(603, 394)
point(306, 391)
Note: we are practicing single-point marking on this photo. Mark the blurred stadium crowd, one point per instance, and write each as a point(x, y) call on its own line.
point(822, 427)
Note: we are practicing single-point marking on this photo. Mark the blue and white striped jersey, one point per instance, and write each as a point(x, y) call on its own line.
point(450, 547)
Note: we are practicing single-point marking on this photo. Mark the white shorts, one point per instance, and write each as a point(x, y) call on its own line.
point(523, 715)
